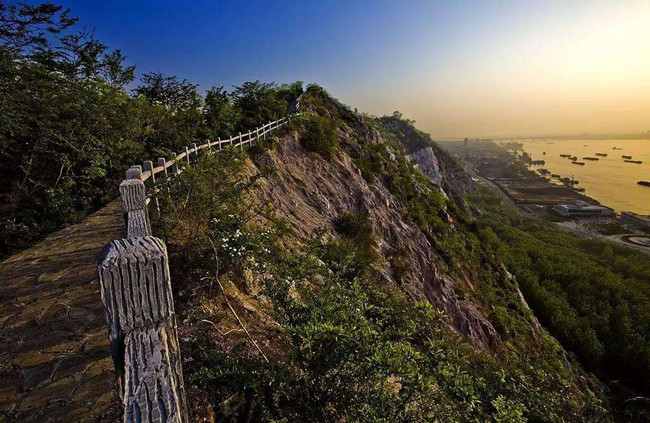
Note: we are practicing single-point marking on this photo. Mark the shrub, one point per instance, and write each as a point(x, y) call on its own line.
point(319, 136)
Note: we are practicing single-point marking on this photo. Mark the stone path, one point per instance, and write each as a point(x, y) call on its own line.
point(55, 364)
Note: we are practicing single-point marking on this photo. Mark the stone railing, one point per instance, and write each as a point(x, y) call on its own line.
point(137, 294)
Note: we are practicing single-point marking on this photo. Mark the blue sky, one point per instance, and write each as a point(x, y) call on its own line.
point(460, 68)
point(228, 42)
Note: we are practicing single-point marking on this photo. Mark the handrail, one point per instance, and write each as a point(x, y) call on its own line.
point(136, 292)
point(259, 132)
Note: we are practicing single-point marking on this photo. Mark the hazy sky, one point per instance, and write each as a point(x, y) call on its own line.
point(459, 68)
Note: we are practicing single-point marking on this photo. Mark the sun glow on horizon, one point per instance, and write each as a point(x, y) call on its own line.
point(570, 68)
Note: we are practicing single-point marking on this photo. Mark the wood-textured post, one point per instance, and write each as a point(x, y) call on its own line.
point(134, 206)
point(137, 296)
point(241, 142)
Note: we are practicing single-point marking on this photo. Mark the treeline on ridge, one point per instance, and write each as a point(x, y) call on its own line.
point(69, 126)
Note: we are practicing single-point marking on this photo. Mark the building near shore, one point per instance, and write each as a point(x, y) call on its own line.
point(635, 219)
point(583, 209)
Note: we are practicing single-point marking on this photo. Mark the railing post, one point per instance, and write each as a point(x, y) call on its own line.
point(209, 144)
point(241, 142)
point(136, 291)
point(186, 150)
point(162, 162)
point(134, 172)
point(195, 148)
point(219, 143)
point(175, 165)
point(134, 206)
point(148, 166)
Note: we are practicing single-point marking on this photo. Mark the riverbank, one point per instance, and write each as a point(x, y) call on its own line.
point(524, 189)
point(609, 176)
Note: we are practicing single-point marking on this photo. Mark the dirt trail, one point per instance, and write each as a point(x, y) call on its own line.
point(55, 364)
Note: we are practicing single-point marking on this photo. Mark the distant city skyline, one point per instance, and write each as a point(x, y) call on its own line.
point(471, 69)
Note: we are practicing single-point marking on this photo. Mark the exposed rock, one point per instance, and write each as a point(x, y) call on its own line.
point(427, 163)
point(309, 192)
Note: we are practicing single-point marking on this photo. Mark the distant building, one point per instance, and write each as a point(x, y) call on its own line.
point(582, 209)
point(636, 219)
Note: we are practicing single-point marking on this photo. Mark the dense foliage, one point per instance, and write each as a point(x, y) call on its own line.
point(319, 135)
point(593, 296)
point(339, 345)
point(68, 128)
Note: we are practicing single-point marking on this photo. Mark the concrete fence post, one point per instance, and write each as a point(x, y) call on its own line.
point(148, 166)
point(219, 143)
point(162, 162)
point(175, 165)
point(137, 296)
point(186, 150)
point(134, 206)
point(134, 172)
point(195, 149)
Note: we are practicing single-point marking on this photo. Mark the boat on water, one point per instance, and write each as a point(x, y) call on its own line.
point(579, 163)
point(555, 175)
point(579, 189)
point(626, 157)
point(644, 183)
point(601, 154)
point(616, 148)
point(565, 155)
point(590, 158)
point(633, 161)
point(573, 158)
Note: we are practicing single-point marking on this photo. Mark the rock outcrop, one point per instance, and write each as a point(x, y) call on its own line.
point(427, 163)
point(310, 192)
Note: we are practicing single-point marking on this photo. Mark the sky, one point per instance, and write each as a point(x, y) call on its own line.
point(458, 68)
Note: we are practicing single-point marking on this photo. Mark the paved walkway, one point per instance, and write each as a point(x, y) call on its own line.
point(55, 363)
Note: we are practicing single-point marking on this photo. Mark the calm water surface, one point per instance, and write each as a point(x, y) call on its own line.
point(609, 180)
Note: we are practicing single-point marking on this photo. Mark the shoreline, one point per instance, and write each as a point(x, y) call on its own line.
point(607, 179)
point(534, 196)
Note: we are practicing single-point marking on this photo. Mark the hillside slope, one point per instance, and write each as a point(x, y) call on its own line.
point(330, 247)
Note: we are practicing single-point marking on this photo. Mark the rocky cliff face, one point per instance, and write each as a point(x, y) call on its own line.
point(431, 159)
point(427, 163)
point(311, 192)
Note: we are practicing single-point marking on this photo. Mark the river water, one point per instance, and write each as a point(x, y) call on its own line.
point(609, 180)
